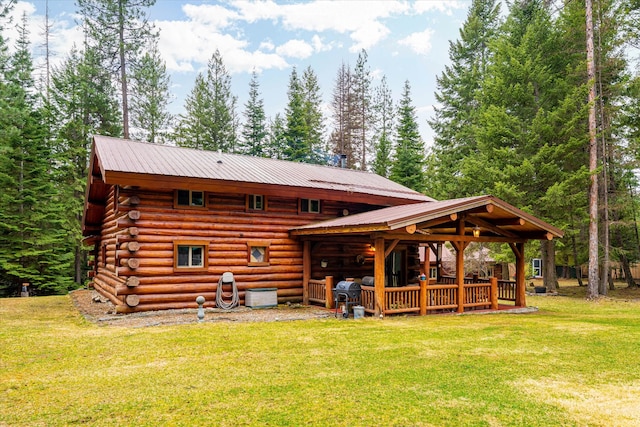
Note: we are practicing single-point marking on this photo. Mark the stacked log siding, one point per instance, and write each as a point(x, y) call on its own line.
point(135, 261)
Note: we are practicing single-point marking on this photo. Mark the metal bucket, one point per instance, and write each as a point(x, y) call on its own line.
point(358, 312)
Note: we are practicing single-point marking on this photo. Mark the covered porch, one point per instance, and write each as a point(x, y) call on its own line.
point(385, 245)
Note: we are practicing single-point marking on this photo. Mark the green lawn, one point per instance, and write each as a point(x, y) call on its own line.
point(572, 363)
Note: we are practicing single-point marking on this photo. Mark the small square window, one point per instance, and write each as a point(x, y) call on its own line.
point(433, 273)
point(258, 253)
point(189, 198)
point(256, 202)
point(190, 255)
point(310, 205)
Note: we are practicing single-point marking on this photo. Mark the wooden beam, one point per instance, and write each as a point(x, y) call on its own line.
point(489, 226)
point(518, 250)
point(439, 221)
point(448, 238)
point(378, 277)
point(391, 247)
point(509, 221)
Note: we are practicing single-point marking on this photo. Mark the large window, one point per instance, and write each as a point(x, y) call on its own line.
point(190, 255)
point(309, 205)
point(190, 199)
point(258, 253)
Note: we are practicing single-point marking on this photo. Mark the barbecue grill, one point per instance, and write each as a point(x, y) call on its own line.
point(346, 292)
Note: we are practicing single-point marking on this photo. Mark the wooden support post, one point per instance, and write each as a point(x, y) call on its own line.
point(494, 292)
point(328, 292)
point(423, 297)
point(427, 262)
point(521, 299)
point(460, 274)
point(306, 271)
point(378, 277)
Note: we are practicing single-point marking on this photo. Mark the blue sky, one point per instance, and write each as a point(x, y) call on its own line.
point(403, 40)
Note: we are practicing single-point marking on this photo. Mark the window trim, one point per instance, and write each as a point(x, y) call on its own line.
point(258, 244)
point(189, 206)
point(191, 244)
point(250, 198)
point(309, 203)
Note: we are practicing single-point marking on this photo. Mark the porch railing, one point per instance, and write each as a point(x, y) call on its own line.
point(506, 288)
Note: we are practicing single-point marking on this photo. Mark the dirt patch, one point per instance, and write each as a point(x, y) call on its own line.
point(98, 309)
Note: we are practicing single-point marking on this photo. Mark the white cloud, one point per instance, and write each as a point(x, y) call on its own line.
point(420, 42)
point(295, 49)
point(443, 6)
point(319, 45)
point(214, 17)
point(267, 45)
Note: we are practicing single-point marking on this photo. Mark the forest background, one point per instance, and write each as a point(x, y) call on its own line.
point(512, 121)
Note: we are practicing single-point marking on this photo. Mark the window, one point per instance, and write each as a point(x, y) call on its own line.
point(190, 198)
point(433, 272)
point(258, 253)
point(310, 205)
point(190, 255)
point(256, 202)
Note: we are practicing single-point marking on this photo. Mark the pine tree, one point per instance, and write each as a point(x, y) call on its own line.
point(384, 117)
point(32, 240)
point(118, 29)
point(409, 160)
point(296, 133)
point(459, 87)
point(276, 140)
point(313, 116)
point(254, 132)
point(150, 97)
point(209, 121)
point(82, 102)
point(361, 113)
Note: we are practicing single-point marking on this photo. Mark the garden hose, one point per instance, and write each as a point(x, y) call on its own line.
point(235, 297)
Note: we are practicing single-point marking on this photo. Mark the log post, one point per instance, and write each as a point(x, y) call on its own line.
point(423, 297)
point(494, 292)
point(378, 277)
point(521, 299)
point(133, 231)
point(133, 215)
point(306, 271)
point(131, 246)
point(132, 263)
point(328, 292)
point(459, 246)
point(133, 281)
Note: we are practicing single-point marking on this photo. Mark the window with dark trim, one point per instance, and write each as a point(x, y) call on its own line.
point(190, 199)
point(190, 255)
point(256, 202)
point(310, 205)
point(258, 254)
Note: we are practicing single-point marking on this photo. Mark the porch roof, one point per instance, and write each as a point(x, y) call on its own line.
point(496, 220)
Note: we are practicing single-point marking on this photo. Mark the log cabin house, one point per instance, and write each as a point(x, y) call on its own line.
point(165, 223)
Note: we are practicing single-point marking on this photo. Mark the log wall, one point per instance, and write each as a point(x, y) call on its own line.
point(134, 265)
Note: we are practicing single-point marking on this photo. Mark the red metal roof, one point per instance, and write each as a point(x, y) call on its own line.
point(117, 156)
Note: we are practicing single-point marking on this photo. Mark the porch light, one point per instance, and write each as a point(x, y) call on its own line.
point(476, 231)
point(324, 263)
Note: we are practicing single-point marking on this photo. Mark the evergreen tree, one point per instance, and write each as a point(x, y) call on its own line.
point(296, 133)
point(459, 86)
point(32, 240)
point(384, 117)
point(150, 97)
point(254, 133)
point(276, 140)
point(83, 102)
point(408, 162)
point(313, 116)
point(209, 121)
point(361, 113)
point(118, 29)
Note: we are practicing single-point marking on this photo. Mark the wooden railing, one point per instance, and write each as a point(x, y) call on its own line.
point(405, 299)
point(442, 297)
point(317, 291)
point(507, 290)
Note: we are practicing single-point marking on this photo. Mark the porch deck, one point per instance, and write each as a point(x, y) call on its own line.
point(425, 298)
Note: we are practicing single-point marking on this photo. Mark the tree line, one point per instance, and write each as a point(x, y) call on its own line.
point(511, 120)
point(116, 84)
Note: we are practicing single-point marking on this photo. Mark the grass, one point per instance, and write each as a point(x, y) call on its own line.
point(573, 363)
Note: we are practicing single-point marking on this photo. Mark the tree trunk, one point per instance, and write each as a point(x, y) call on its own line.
point(592, 288)
point(550, 278)
point(626, 269)
point(123, 75)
